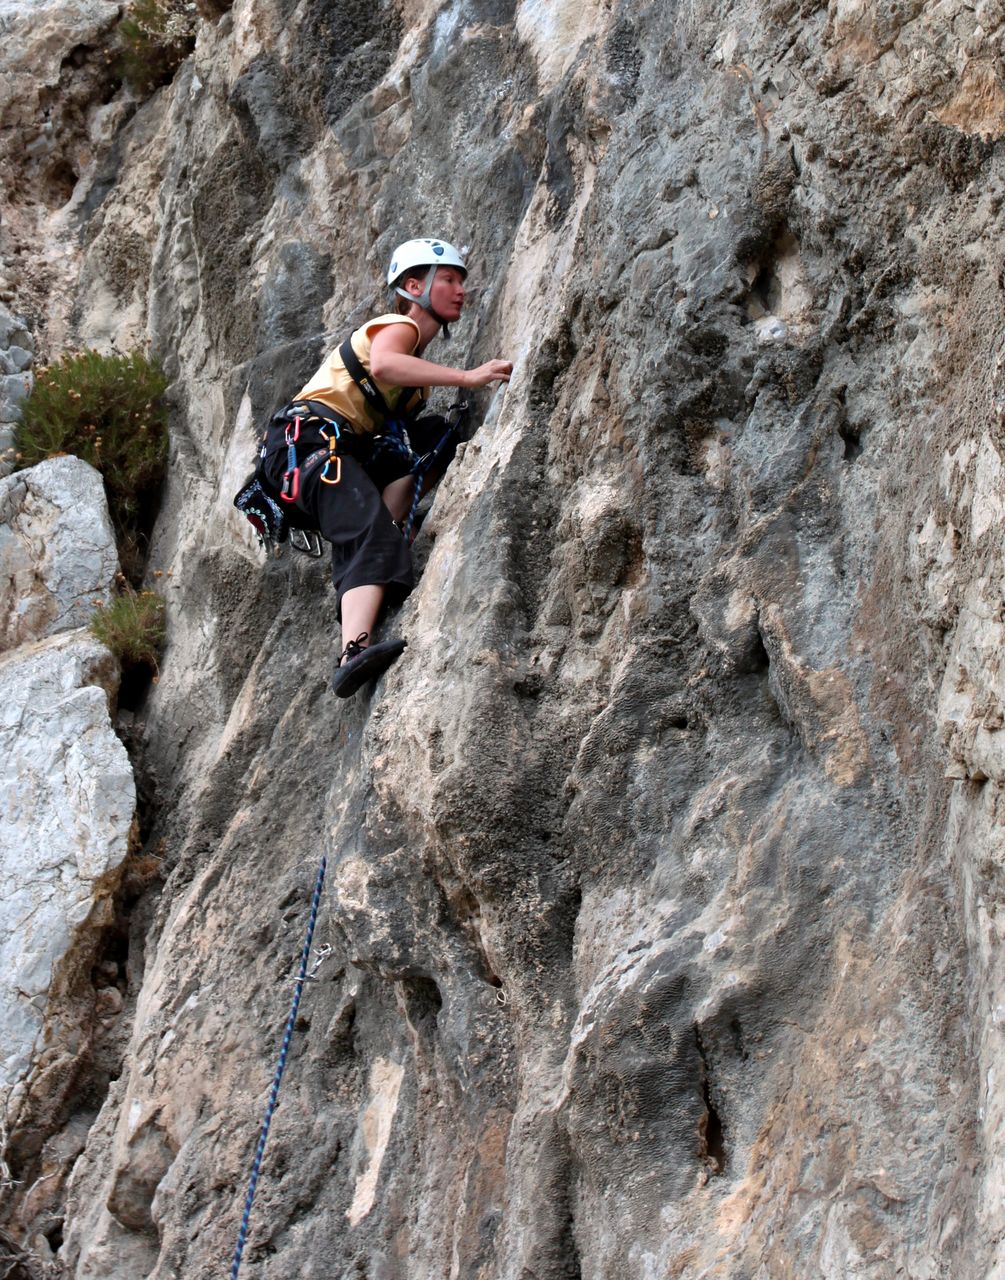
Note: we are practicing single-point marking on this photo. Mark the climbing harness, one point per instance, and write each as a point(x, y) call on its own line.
point(301, 978)
point(290, 490)
point(263, 505)
point(271, 512)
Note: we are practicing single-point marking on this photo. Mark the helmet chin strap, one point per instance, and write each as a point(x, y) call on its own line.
point(423, 300)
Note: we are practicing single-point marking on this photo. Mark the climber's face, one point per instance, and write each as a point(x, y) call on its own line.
point(447, 295)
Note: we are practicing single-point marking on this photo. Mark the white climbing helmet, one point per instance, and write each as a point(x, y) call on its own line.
point(422, 253)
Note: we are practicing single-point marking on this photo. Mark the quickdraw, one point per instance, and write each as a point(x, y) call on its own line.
point(290, 490)
point(425, 464)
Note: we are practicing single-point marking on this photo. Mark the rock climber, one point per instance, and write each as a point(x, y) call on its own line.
point(357, 513)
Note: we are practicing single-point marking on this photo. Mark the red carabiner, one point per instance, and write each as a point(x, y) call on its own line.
point(291, 485)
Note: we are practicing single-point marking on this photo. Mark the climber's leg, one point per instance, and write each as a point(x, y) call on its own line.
point(360, 607)
point(397, 497)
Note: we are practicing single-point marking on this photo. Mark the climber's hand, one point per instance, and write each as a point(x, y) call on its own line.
point(492, 371)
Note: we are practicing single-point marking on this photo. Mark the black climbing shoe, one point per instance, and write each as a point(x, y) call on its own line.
point(363, 664)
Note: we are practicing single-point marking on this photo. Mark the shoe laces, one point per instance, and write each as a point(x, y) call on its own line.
point(354, 648)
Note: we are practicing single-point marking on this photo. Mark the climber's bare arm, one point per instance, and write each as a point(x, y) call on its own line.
point(391, 361)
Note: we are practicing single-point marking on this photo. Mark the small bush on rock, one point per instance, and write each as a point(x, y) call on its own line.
point(110, 411)
point(155, 37)
point(133, 627)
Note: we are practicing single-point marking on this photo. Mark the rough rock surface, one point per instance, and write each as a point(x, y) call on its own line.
point(59, 110)
point(665, 866)
point(58, 557)
point(67, 826)
point(69, 801)
point(17, 347)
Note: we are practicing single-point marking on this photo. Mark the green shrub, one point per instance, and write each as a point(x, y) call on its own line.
point(155, 38)
point(133, 627)
point(110, 411)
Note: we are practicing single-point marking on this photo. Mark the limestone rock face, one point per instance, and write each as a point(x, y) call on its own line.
point(665, 868)
point(68, 806)
point(58, 557)
point(17, 347)
point(67, 822)
point(58, 108)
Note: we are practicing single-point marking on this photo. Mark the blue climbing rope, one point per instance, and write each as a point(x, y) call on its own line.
point(425, 463)
point(256, 1166)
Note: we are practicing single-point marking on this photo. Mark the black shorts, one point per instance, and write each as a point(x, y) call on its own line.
point(367, 547)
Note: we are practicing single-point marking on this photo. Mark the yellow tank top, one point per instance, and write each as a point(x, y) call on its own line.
point(333, 386)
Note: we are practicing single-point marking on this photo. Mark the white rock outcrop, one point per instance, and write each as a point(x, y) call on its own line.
point(57, 550)
point(68, 805)
point(17, 349)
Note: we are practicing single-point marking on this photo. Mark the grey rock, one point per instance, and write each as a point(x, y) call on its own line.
point(771, 329)
point(299, 284)
point(69, 806)
point(19, 356)
point(7, 448)
point(14, 390)
point(137, 1177)
point(14, 360)
point(14, 332)
point(58, 557)
point(262, 102)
